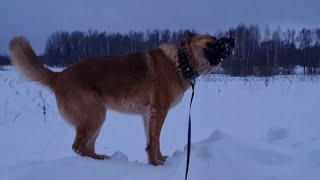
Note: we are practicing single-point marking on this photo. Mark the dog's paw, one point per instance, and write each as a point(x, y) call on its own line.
point(102, 157)
point(157, 162)
point(162, 158)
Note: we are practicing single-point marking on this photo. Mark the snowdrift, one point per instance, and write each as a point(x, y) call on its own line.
point(219, 156)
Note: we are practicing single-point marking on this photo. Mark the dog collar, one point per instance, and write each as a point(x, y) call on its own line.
point(187, 71)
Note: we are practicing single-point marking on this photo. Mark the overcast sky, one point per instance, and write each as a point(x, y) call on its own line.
point(36, 19)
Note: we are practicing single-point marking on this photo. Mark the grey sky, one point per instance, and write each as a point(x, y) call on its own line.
point(36, 19)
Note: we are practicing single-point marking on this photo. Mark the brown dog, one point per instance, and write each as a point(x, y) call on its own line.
point(146, 83)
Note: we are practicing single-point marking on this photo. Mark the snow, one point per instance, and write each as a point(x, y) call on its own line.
point(242, 129)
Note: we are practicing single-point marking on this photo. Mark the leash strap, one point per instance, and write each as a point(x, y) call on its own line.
point(189, 133)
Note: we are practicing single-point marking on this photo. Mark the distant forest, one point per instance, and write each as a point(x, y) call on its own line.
point(276, 52)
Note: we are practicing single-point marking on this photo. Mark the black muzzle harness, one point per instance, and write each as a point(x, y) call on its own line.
point(215, 53)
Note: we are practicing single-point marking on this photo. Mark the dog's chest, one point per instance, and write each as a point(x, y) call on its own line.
point(176, 97)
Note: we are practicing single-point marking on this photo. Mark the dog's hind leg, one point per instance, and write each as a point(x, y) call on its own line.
point(87, 113)
point(87, 132)
point(92, 141)
point(85, 141)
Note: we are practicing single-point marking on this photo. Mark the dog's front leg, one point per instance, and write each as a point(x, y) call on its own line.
point(155, 120)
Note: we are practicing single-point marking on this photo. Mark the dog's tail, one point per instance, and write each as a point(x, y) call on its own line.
point(26, 61)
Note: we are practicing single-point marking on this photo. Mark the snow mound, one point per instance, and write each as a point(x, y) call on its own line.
point(119, 156)
point(276, 134)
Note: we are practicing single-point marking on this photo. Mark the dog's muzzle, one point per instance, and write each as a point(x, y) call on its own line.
point(216, 52)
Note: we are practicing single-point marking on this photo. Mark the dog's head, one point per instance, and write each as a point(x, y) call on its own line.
point(207, 51)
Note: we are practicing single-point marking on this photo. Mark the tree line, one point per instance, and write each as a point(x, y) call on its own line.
point(64, 48)
point(260, 53)
point(275, 53)
point(4, 60)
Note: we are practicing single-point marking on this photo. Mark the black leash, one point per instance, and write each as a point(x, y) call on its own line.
point(191, 74)
point(189, 133)
point(217, 51)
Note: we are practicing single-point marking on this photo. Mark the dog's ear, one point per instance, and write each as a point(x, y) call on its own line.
point(188, 35)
